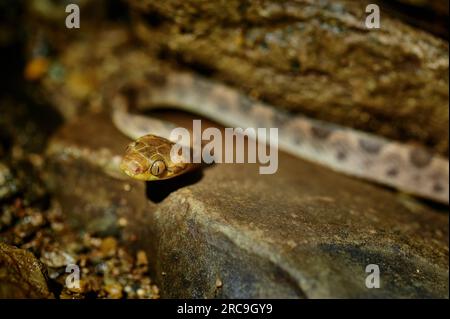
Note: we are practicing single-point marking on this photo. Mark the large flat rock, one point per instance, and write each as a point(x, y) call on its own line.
point(226, 231)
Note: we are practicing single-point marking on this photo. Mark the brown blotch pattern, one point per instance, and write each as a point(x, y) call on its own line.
point(321, 132)
point(156, 79)
point(420, 157)
point(244, 103)
point(202, 87)
point(222, 104)
point(438, 188)
point(392, 172)
point(279, 120)
point(342, 150)
point(370, 146)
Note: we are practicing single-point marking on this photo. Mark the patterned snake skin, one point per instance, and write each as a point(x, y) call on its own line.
point(405, 167)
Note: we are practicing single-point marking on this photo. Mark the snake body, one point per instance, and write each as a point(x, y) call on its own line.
point(409, 168)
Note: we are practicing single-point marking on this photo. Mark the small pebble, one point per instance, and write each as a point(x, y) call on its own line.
point(140, 292)
point(108, 246)
point(122, 222)
point(155, 290)
point(141, 258)
point(36, 68)
point(114, 290)
point(57, 227)
point(56, 258)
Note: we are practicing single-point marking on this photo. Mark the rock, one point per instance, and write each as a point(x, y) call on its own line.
point(108, 246)
point(56, 258)
point(321, 62)
point(26, 126)
point(314, 57)
point(430, 15)
point(438, 6)
point(114, 290)
point(9, 185)
point(141, 258)
point(228, 232)
point(21, 274)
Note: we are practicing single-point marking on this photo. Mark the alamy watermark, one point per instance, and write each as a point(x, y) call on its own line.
point(262, 146)
point(73, 17)
point(372, 20)
point(373, 17)
point(373, 279)
point(73, 277)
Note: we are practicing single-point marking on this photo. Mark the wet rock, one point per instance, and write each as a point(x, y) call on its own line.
point(304, 232)
point(21, 274)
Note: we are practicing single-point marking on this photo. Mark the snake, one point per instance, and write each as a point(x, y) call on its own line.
point(407, 167)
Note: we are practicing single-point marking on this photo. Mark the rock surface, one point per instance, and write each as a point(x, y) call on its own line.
point(312, 57)
point(21, 274)
point(226, 231)
point(315, 57)
point(429, 15)
point(8, 184)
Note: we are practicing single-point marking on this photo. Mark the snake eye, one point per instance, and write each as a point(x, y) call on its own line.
point(158, 167)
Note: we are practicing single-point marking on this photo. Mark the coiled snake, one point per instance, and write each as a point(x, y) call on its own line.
point(405, 167)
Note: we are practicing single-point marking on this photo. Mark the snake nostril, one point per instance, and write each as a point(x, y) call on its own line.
point(132, 166)
point(137, 170)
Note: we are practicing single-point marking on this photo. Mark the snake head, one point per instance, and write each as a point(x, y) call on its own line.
point(148, 159)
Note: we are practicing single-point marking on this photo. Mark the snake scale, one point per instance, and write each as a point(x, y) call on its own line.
point(406, 167)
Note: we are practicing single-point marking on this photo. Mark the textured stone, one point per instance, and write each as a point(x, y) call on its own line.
point(21, 274)
point(315, 57)
point(8, 184)
point(305, 232)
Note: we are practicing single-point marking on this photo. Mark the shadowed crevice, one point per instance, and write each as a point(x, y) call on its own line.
point(157, 191)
